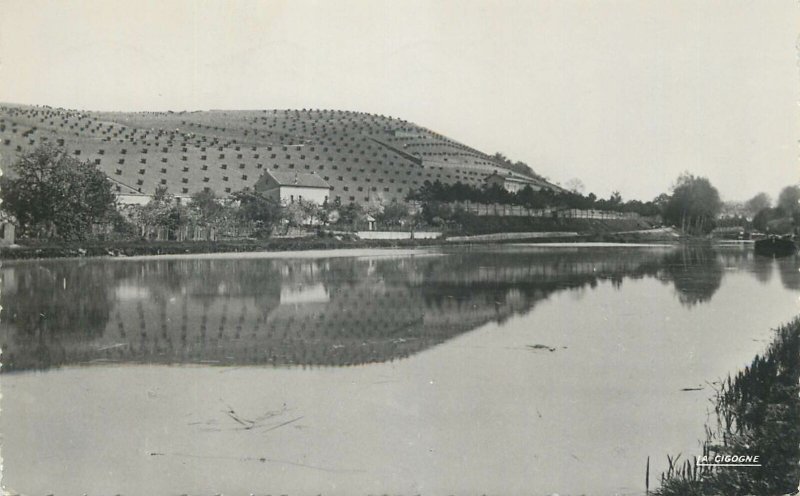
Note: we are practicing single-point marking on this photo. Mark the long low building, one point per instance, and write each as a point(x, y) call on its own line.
point(513, 182)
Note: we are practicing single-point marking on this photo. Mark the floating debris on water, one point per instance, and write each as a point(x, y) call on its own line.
point(541, 347)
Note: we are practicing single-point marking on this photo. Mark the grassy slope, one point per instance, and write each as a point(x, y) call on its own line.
point(364, 157)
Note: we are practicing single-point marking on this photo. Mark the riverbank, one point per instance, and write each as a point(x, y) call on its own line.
point(147, 248)
point(36, 250)
point(660, 235)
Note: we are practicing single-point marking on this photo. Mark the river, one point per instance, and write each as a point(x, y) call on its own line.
point(507, 369)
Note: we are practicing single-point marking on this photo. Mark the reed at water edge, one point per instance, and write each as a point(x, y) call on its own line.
point(757, 412)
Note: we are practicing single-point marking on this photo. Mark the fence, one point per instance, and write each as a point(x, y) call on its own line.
point(195, 233)
point(503, 210)
point(399, 234)
point(520, 236)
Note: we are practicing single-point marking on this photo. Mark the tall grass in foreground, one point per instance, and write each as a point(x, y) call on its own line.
point(757, 413)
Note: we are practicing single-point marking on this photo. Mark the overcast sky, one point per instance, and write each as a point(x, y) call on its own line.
point(624, 95)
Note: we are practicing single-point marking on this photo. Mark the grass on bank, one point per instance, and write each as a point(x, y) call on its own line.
point(757, 412)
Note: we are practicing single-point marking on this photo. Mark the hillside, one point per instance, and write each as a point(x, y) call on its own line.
point(364, 157)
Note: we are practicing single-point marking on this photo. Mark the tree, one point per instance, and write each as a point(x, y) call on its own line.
point(789, 199)
point(495, 193)
point(55, 195)
point(694, 204)
point(757, 203)
point(518, 166)
point(163, 212)
point(208, 211)
point(394, 214)
point(575, 185)
point(301, 212)
point(206, 206)
point(351, 216)
point(257, 209)
point(530, 198)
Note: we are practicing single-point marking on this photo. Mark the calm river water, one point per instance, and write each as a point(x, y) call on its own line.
point(497, 370)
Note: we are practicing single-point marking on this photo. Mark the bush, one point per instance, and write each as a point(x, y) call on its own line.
point(53, 195)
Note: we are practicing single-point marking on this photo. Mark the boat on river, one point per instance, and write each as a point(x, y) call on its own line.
point(776, 246)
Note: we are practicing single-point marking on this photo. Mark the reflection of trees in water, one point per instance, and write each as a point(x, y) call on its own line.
point(789, 270)
point(339, 311)
point(533, 276)
point(696, 273)
point(732, 257)
point(763, 268)
point(43, 303)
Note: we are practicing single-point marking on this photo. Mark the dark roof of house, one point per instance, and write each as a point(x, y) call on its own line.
point(299, 179)
point(513, 178)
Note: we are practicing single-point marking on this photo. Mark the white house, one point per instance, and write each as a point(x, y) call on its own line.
point(288, 187)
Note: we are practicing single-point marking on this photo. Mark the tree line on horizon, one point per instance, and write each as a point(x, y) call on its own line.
point(781, 217)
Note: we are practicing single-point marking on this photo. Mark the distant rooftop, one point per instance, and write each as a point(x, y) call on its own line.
point(511, 177)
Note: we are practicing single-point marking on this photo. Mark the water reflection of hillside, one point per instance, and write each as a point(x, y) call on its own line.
point(341, 311)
